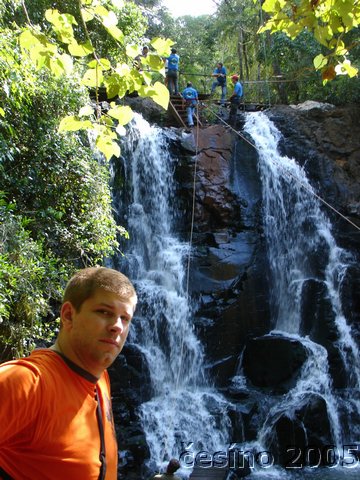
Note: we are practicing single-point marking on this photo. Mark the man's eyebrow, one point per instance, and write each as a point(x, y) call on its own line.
point(104, 304)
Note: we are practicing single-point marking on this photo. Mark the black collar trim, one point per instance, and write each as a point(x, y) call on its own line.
point(80, 371)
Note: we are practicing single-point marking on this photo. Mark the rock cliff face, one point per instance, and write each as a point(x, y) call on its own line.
point(229, 278)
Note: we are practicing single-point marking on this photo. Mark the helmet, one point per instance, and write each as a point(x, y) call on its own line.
point(235, 77)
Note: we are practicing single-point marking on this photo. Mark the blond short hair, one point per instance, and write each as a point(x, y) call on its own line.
point(85, 282)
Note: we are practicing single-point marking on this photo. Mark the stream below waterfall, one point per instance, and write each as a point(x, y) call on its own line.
point(186, 413)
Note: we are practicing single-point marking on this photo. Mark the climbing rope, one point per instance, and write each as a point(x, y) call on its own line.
point(193, 199)
point(191, 231)
point(291, 175)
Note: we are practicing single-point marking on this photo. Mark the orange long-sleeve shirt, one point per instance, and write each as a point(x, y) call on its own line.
point(48, 420)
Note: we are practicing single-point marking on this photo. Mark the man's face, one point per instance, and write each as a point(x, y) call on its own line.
point(95, 335)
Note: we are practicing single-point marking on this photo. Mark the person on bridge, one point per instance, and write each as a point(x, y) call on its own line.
point(56, 419)
point(190, 99)
point(235, 99)
point(172, 76)
point(220, 74)
point(172, 467)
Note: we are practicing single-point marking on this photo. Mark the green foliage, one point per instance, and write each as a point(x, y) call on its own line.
point(55, 178)
point(29, 279)
point(55, 214)
point(329, 21)
point(65, 42)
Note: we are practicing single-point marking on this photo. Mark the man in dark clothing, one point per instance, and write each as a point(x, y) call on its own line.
point(172, 76)
point(190, 99)
point(220, 74)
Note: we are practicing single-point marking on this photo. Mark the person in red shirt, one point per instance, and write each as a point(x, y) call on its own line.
point(55, 416)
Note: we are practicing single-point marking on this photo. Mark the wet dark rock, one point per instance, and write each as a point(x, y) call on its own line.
point(350, 297)
point(273, 362)
point(130, 386)
point(300, 437)
point(317, 315)
point(318, 322)
point(151, 111)
point(228, 267)
point(130, 377)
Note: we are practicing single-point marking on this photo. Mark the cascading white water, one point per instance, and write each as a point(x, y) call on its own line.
point(184, 408)
point(301, 247)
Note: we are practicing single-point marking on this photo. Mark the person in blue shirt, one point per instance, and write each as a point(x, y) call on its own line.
point(235, 99)
point(172, 75)
point(220, 74)
point(190, 99)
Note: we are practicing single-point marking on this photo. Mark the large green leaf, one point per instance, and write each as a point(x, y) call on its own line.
point(102, 63)
point(80, 50)
point(93, 77)
point(116, 33)
point(158, 92)
point(122, 114)
point(162, 46)
point(107, 146)
point(132, 51)
point(72, 124)
point(62, 24)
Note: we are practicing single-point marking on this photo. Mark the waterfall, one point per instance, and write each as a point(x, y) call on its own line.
point(302, 251)
point(184, 408)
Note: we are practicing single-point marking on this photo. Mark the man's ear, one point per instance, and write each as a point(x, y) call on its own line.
point(66, 314)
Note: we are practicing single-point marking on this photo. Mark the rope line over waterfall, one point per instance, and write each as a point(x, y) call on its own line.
point(287, 172)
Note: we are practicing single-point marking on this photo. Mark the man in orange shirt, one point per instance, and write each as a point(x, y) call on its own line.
point(55, 414)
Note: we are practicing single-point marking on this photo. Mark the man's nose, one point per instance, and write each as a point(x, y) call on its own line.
point(117, 325)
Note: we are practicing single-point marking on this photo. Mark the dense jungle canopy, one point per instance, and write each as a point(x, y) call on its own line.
point(55, 199)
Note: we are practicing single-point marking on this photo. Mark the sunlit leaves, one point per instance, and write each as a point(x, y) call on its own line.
point(112, 83)
point(155, 62)
point(60, 64)
point(161, 96)
point(102, 63)
point(86, 15)
point(58, 52)
point(116, 33)
point(80, 50)
point(109, 20)
point(44, 53)
point(106, 141)
point(328, 20)
point(123, 114)
point(158, 92)
point(118, 3)
point(93, 77)
point(162, 46)
point(320, 61)
point(62, 24)
point(132, 51)
point(72, 124)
